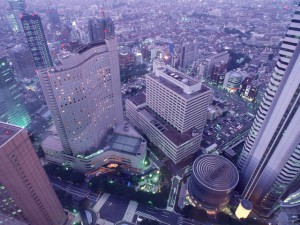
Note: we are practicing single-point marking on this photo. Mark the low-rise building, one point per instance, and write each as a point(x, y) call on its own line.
point(123, 148)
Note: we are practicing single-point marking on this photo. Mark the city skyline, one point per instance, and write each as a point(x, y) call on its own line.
point(151, 112)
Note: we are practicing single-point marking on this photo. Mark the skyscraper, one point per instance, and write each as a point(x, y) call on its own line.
point(101, 28)
point(36, 39)
point(84, 96)
point(16, 8)
point(96, 29)
point(12, 107)
point(17, 5)
point(25, 190)
point(109, 28)
point(269, 163)
point(22, 62)
point(188, 54)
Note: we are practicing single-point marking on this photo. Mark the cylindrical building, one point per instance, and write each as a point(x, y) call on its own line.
point(244, 209)
point(212, 180)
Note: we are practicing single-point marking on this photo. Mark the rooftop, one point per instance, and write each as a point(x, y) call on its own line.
point(215, 172)
point(7, 131)
point(170, 132)
point(178, 89)
point(138, 99)
point(89, 46)
point(125, 144)
point(179, 76)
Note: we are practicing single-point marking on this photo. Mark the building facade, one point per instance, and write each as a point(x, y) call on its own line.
point(22, 62)
point(188, 54)
point(269, 162)
point(173, 112)
point(101, 29)
point(84, 96)
point(34, 32)
point(212, 181)
point(96, 29)
point(124, 148)
point(290, 210)
point(16, 7)
point(25, 190)
point(232, 80)
point(12, 107)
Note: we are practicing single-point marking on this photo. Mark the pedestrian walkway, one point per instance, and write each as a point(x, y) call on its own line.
point(101, 202)
point(130, 211)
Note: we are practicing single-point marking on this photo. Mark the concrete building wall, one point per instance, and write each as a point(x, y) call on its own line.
point(84, 96)
point(24, 178)
point(269, 162)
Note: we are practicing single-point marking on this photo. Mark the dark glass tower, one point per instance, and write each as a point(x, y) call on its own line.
point(37, 42)
point(17, 5)
point(96, 29)
point(109, 28)
point(12, 108)
point(101, 29)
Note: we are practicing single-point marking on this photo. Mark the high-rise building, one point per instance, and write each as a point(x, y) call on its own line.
point(109, 28)
point(173, 113)
point(36, 39)
point(101, 28)
point(12, 107)
point(54, 20)
point(188, 54)
point(84, 96)
point(17, 5)
point(22, 62)
point(16, 8)
point(184, 110)
point(96, 29)
point(14, 21)
point(269, 162)
point(25, 190)
point(290, 210)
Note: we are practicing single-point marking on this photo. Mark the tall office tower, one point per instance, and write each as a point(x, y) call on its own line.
point(22, 62)
point(188, 54)
point(14, 22)
point(173, 113)
point(269, 162)
point(101, 28)
point(12, 107)
point(25, 190)
point(17, 5)
point(36, 39)
point(109, 28)
point(84, 96)
point(96, 29)
point(183, 110)
point(54, 19)
point(16, 8)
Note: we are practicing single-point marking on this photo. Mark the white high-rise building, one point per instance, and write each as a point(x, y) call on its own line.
point(270, 160)
point(173, 112)
point(84, 96)
point(177, 98)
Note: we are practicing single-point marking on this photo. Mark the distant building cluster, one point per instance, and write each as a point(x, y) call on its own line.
point(92, 96)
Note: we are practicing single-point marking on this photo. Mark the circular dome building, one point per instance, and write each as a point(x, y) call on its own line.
point(212, 181)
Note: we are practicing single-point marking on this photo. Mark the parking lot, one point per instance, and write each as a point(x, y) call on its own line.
point(229, 128)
